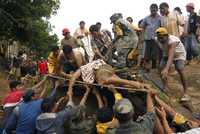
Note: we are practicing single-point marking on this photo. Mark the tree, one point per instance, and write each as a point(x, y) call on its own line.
point(27, 21)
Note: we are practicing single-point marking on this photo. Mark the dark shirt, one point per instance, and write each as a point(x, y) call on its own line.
point(192, 23)
point(144, 125)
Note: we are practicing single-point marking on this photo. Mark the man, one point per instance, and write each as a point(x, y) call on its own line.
point(24, 115)
point(190, 39)
point(130, 20)
point(51, 122)
point(103, 74)
point(170, 20)
point(69, 61)
point(101, 45)
point(124, 112)
point(69, 40)
point(125, 39)
point(150, 24)
point(12, 99)
point(52, 59)
point(173, 52)
point(81, 32)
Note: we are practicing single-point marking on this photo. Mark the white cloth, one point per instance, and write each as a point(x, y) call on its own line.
point(180, 53)
point(88, 70)
point(192, 131)
point(88, 48)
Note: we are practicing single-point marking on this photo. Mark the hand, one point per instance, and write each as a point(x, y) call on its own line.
point(63, 99)
point(153, 92)
point(161, 112)
point(164, 73)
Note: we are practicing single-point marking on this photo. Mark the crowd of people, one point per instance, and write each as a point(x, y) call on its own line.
point(90, 62)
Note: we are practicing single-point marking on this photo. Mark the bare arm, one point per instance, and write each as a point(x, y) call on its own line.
point(37, 88)
point(98, 96)
point(162, 114)
point(75, 76)
point(150, 107)
point(167, 108)
point(170, 55)
point(85, 97)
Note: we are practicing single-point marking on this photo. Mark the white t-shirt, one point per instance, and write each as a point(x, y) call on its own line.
point(180, 53)
point(192, 131)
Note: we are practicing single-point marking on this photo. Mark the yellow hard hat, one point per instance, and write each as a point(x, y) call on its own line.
point(161, 31)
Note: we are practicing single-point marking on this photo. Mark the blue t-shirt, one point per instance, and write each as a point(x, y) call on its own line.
point(25, 118)
point(28, 113)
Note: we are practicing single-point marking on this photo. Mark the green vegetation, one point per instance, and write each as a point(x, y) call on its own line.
point(27, 21)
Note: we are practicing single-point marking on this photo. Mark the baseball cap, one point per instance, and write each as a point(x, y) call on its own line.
point(65, 31)
point(161, 31)
point(123, 106)
point(190, 5)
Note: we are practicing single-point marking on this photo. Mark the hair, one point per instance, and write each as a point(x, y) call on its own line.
point(13, 84)
point(164, 4)
point(140, 22)
point(181, 128)
point(28, 95)
point(47, 105)
point(178, 9)
point(55, 48)
point(67, 49)
point(93, 28)
point(130, 18)
point(105, 115)
point(154, 6)
point(81, 22)
point(98, 23)
point(123, 118)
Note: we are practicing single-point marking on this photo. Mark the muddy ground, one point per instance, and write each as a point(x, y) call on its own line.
point(193, 79)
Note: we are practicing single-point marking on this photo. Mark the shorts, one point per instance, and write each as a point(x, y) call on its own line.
point(179, 64)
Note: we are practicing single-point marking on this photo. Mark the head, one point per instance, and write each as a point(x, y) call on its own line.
point(14, 85)
point(47, 105)
point(105, 115)
point(30, 95)
point(154, 9)
point(66, 33)
point(55, 50)
point(178, 10)
point(162, 35)
point(94, 30)
point(115, 17)
point(123, 110)
point(82, 24)
point(164, 8)
point(190, 7)
point(129, 19)
point(67, 50)
point(98, 24)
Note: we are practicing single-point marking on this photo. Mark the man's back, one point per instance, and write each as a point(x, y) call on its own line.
point(144, 125)
point(27, 114)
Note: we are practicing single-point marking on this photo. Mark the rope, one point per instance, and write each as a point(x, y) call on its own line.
point(94, 84)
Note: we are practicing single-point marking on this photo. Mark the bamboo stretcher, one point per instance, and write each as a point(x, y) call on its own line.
point(132, 90)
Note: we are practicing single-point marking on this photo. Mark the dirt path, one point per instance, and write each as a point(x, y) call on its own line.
point(193, 80)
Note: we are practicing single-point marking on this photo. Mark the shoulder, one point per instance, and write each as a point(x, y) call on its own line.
point(173, 39)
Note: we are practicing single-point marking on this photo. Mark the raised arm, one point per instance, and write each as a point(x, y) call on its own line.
point(75, 76)
point(37, 88)
point(85, 97)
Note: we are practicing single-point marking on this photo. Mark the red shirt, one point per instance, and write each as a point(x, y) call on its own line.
point(13, 98)
point(43, 67)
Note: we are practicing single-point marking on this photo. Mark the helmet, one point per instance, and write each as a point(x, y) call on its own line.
point(115, 17)
point(65, 31)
